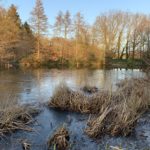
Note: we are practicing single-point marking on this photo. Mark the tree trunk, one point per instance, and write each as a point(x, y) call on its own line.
point(38, 48)
point(127, 50)
point(121, 56)
point(133, 51)
point(76, 53)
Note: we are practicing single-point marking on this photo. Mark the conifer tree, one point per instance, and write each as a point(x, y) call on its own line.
point(14, 16)
point(39, 23)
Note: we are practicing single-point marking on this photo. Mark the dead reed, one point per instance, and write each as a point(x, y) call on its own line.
point(15, 117)
point(67, 99)
point(127, 104)
point(60, 139)
point(116, 112)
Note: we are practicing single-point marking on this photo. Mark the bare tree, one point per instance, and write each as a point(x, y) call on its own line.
point(67, 24)
point(58, 26)
point(79, 28)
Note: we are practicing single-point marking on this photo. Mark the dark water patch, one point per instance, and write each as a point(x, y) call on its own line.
point(49, 120)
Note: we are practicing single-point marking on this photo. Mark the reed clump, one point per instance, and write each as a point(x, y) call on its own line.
point(128, 103)
point(16, 118)
point(60, 139)
point(67, 99)
point(114, 112)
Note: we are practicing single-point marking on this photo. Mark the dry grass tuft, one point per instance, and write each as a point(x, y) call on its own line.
point(60, 140)
point(98, 102)
point(66, 99)
point(120, 114)
point(14, 116)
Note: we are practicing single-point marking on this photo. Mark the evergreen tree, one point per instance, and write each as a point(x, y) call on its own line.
point(28, 42)
point(14, 16)
point(39, 23)
point(27, 29)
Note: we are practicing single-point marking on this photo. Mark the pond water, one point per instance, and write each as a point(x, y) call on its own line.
point(37, 86)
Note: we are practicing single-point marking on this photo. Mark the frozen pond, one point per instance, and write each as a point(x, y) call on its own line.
point(37, 86)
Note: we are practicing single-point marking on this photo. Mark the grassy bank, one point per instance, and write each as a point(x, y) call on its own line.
point(31, 62)
point(125, 63)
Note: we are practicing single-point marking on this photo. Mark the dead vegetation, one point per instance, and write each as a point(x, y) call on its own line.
point(116, 112)
point(127, 104)
point(60, 139)
point(67, 99)
point(14, 116)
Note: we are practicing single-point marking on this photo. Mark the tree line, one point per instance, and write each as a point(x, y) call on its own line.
point(16, 39)
point(114, 35)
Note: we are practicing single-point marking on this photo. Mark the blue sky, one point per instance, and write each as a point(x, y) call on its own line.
point(89, 8)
